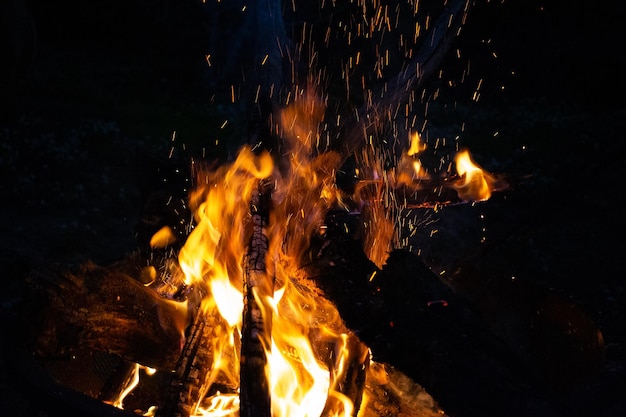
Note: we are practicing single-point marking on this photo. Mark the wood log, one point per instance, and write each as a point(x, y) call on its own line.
point(424, 193)
point(105, 309)
point(388, 391)
point(350, 379)
point(189, 383)
point(185, 389)
point(439, 335)
point(257, 325)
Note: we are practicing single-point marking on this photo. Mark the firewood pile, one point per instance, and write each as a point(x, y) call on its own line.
point(89, 324)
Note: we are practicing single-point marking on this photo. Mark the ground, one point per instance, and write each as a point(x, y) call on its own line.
point(88, 129)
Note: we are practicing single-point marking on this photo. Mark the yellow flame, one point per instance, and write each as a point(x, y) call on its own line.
point(475, 184)
point(416, 145)
point(301, 384)
point(304, 324)
point(309, 350)
point(229, 300)
point(408, 168)
point(220, 405)
point(131, 384)
point(162, 238)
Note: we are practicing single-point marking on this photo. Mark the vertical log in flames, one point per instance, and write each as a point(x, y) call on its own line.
point(257, 316)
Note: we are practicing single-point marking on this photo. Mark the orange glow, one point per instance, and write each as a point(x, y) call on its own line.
point(475, 184)
point(377, 207)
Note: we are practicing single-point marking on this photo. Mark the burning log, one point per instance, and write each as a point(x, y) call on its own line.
point(105, 309)
point(192, 378)
point(375, 389)
point(406, 315)
point(352, 377)
point(427, 193)
point(99, 285)
point(257, 324)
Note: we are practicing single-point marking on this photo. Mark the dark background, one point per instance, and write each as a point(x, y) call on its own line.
point(95, 99)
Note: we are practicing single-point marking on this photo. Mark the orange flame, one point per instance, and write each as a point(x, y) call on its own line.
point(304, 374)
point(131, 384)
point(416, 145)
point(303, 324)
point(409, 168)
point(475, 184)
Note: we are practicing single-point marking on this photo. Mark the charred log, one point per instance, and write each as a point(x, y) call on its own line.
point(256, 327)
point(105, 309)
point(120, 378)
point(351, 381)
point(428, 341)
point(438, 335)
point(188, 385)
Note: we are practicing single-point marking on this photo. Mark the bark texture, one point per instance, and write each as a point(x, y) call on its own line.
point(257, 320)
point(105, 309)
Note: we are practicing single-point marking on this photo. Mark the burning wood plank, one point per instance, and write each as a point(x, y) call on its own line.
point(195, 370)
point(257, 313)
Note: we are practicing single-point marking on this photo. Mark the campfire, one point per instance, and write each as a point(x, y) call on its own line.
point(280, 341)
point(243, 312)
point(239, 318)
